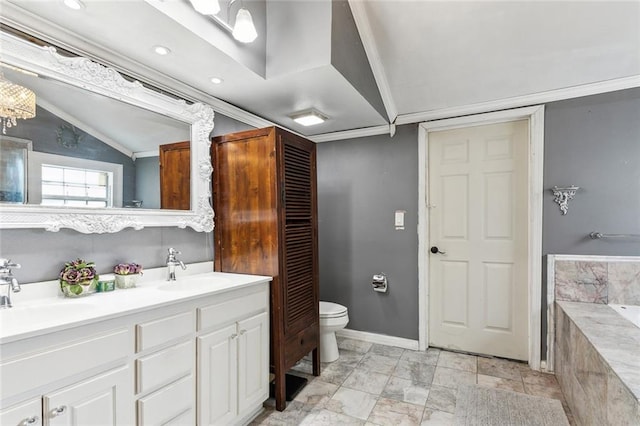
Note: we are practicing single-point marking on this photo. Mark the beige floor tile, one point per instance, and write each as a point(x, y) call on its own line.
point(500, 383)
point(442, 398)
point(316, 393)
point(436, 418)
point(353, 345)
point(415, 371)
point(378, 363)
point(501, 368)
point(390, 412)
point(366, 381)
point(453, 378)
point(406, 391)
point(458, 361)
point(352, 402)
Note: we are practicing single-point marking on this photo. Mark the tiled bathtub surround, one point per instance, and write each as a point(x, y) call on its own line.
point(590, 279)
point(596, 279)
point(598, 364)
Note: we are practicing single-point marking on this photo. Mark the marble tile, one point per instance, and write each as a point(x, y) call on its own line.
point(453, 378)
point(316, 393)
point(406, 390)
point(347, 357)
point(621, 406)
point(415, 371)
point(544, 391)
point(436, 418)
point(294, 414)
point(390, 351)
point(329, 418)
point(581, 281)
point(430, 356)
point(501, 368)
point(366, 380)
point(442, 398)
point(623, 283)
point(352, 402)
point(538, 378)
point(390, 412)
point(500, 383)
point(336, 373)
point(458, 361)
point(353, 345)
point(378, 363)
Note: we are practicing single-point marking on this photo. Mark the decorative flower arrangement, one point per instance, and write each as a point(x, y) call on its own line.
point(127, 268)
point(127, 274)
point(78, 278)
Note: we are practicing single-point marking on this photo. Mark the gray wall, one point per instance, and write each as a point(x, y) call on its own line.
point(42, 253)
point(148, 182)
point(593, 143)
point(361, 182)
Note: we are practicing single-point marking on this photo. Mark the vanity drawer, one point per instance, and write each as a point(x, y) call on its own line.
point(163, 330)
point(170, 403)
point(232, 310)
point(53, 364)
point(164, 367)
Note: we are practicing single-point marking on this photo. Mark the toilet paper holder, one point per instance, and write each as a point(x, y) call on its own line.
point(379, 282)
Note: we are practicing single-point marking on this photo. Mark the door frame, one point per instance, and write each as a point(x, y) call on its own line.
point(535, 116)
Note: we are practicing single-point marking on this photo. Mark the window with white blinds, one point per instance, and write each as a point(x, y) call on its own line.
point(76, 187)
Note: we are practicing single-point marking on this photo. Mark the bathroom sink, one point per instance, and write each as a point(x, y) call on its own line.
point(195, 284)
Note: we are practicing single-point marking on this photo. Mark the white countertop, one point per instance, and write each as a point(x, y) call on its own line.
point(42, 309)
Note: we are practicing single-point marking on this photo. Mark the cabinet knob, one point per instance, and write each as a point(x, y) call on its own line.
point(58, 411)
point(242, 332)
point(234, 336)
point(30, 421)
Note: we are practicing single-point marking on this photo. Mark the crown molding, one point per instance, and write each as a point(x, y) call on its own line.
point(368, 42)
point(350, 134)
point(526, 100)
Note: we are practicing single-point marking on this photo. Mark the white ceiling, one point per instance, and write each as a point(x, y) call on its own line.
point(427, 56)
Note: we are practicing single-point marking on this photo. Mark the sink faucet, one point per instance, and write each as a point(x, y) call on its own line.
point(172, 261)
point(6, 278)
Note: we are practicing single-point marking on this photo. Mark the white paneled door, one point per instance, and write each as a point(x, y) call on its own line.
point(478, 234)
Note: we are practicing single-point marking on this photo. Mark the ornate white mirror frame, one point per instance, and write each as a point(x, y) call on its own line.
point(84, 73)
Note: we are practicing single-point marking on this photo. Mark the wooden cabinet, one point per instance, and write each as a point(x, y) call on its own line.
point(264, 188)
point(175, 176)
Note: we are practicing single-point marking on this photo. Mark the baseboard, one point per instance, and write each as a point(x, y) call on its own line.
point(382, 339)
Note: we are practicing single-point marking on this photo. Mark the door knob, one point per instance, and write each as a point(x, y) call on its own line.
point(436, 250)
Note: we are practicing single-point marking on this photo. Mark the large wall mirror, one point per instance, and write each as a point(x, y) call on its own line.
point(102, 153)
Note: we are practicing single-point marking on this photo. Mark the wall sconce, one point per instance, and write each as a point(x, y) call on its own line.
point(243, 29)
point(563, 195)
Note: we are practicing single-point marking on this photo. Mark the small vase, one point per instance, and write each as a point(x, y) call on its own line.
point(78, 290)
point(127, 281)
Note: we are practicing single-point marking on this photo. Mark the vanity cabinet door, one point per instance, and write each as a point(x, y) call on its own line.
point(217, 377)
point(25, 414)
point(103, 400)
point(253, 361)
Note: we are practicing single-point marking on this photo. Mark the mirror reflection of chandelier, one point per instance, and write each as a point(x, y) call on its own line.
point(15, 102)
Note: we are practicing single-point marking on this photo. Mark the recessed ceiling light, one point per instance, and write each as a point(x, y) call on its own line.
point(73, 4)
point(309, 117)
point(216, 80)
point(161, 50)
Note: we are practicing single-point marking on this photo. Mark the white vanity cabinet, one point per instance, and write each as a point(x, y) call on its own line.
point(201, 360)
point(85, 380)
point(233, 359)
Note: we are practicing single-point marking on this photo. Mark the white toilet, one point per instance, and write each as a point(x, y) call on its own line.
point(333, 317)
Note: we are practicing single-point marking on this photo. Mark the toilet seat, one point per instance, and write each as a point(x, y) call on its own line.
point(332, 310)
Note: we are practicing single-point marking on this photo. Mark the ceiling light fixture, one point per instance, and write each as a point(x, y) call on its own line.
point(309, 117)
point(216, 80)
point(243, 29)
point(15, 102)
point(206, 7)
point(161, 50)
point(73, 4)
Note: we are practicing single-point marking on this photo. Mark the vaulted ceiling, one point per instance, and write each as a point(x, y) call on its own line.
point(364, 64)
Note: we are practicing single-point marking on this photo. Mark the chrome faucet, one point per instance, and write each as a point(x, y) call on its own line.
point(172, 262)
point(7, 278)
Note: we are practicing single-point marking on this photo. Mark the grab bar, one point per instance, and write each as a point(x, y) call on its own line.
point(599, 235)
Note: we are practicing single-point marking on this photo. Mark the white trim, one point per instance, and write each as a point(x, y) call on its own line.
point(525, 100)
point(535, 115)
point(350, 134)
point(381, 339)
point(594, 258)
point(371, 49)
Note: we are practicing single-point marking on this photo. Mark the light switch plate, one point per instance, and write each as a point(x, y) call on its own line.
point(399, 219)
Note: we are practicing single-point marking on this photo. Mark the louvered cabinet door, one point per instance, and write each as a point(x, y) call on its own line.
point(300, 255)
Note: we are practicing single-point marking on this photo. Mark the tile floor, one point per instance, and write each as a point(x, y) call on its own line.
point(373, 384)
